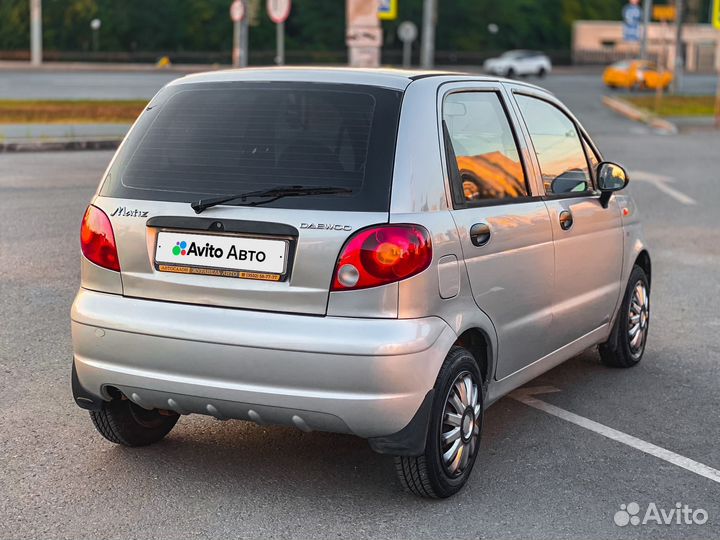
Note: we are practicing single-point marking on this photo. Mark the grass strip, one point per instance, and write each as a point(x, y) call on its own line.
point(676, 105)
point(70, 111)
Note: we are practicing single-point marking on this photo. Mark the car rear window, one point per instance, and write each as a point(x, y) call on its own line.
point(212, 139)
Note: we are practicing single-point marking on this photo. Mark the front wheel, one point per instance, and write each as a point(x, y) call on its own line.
point(453, 437)
point(626, 345)
point(122, 422)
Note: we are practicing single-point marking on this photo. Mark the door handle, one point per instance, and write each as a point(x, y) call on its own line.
point(480, 234)
point(566, 220)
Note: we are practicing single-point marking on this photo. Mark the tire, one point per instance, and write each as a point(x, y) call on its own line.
point(430, 475)
point(510, 73)
point(120, 421)
point(541, 72)
point(624, 349)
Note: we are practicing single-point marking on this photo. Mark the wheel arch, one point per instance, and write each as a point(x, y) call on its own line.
point(643, 261)
point(410, 441)
point(478, 343)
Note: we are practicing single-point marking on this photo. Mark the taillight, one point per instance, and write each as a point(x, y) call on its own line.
point(382, 254)
point(97, 239)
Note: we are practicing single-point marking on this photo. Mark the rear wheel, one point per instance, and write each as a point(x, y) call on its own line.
point(510, 73)
point(626, 345)
point(122, 422)
point(541, 72)
point(453, 436)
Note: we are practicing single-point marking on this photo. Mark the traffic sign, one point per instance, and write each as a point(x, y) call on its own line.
point(664, 13)
point(407, 31)
point(278, 10)
point(716, 14)
point(387, 10)
point(237, 11)
point(632, 15)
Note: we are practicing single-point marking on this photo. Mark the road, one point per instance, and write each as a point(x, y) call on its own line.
point(26, 84)
point(537, 476)
point(50, 84)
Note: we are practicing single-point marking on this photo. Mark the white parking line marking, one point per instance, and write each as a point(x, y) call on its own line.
point(661, 182)
point(525, 395)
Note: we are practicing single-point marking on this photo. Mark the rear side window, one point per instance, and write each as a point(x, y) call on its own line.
point(559, 151)
point(207, 140)
point(482, 148)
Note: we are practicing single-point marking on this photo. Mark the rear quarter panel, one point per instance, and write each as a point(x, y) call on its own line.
point(420, 195)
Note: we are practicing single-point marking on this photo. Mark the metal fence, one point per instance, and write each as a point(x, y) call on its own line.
point(604, 57)
point(703, 61)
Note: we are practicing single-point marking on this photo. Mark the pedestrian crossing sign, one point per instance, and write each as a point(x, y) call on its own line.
point(387, 10)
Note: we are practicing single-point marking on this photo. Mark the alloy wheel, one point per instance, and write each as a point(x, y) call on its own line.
point(638, 319)
point(461, 419)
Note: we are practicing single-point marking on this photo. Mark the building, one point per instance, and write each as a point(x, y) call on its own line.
point(601, 42)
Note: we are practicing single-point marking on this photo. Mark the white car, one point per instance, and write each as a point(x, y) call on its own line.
point(512, 63)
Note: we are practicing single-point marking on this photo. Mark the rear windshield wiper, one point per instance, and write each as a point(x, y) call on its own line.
point(270, 195)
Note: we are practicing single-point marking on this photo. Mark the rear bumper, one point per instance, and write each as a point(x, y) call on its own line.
point(367, 377)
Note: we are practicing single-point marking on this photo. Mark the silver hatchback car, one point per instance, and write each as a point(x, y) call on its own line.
point(374, 252)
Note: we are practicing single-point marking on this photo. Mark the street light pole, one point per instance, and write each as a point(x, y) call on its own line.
point(244, 35)
point(280, 43)
point(36, 32)
point(239, 16)
point(679, 57)
point(647, 8)
point(95, 27)
point(427, 47)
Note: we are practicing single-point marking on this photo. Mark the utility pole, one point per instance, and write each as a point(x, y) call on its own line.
point(647, 9)
point(244, 36)
point(679, 62)
point(427, 47)
point(280, 43)
point(36, 32)
point(95, 25)
point(239, 17)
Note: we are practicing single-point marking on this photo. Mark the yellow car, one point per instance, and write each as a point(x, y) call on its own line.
point(636, 74)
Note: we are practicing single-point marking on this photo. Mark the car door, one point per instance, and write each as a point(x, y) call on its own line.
point(588, 238)
point(504, 227)
point(526, 64)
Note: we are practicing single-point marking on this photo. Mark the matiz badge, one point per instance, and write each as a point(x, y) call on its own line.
point(127, 212)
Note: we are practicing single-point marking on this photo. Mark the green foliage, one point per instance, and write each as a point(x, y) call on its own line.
point(314, 25)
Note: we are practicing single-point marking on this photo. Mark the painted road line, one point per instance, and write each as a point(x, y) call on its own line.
point(662, 183)
point(525, 395)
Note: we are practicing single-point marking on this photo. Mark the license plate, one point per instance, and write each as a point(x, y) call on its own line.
point(228, 256)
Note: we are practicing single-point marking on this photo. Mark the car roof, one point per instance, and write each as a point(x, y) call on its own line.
point(398, 79)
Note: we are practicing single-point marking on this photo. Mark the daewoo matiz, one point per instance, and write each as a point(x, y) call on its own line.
point(381, 253)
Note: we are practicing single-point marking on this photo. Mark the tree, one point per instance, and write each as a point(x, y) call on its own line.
point(314, 26)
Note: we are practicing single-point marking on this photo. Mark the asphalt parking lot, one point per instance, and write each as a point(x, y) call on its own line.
point(537, 476)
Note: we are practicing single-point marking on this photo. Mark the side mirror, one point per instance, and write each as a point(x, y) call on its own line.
point(611, 177)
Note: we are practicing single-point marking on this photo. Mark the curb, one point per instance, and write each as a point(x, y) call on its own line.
point(628, 110)
point(54, 145)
